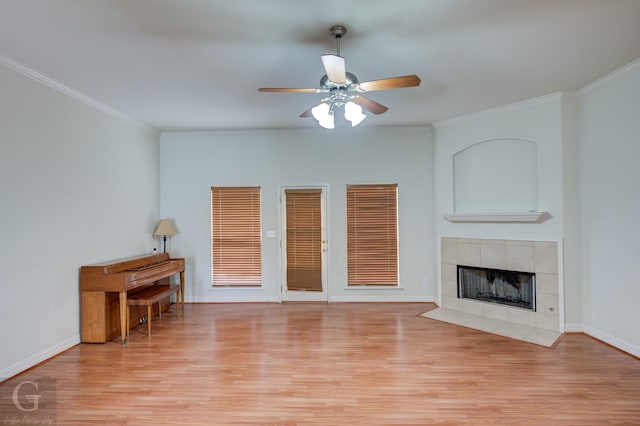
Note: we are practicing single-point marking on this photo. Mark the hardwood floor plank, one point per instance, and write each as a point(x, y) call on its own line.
point(337, 364)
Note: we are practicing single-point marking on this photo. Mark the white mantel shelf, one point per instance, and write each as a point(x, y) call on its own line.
point(530, 217)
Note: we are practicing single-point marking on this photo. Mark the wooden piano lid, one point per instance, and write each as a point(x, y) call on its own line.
point(119, 265)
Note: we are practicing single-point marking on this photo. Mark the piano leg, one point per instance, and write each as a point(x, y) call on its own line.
point(123, 316)
point(181, 290)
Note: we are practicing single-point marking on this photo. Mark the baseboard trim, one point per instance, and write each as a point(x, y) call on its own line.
point(38, 358)
point(573, 328)
point(235, 298)
point(613, 341)
point(606, 338)
point(382, 299)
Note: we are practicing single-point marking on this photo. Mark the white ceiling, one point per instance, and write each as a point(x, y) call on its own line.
point(196, 64)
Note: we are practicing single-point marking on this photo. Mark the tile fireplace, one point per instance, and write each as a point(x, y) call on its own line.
point(510, 280)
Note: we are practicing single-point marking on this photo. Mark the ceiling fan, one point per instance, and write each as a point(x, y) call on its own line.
point(344, 89)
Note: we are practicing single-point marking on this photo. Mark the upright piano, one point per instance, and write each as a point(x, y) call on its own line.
point(104, 288)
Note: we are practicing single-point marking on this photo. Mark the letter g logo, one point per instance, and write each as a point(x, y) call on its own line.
point(33, 399)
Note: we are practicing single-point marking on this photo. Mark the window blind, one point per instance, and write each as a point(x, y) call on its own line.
point(236, 236)
point(372, 235)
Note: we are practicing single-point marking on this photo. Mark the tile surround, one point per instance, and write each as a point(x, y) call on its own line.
point(520, 258)
point(539, 257)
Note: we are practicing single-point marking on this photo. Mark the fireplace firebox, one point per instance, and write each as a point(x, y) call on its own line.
point(511, 288)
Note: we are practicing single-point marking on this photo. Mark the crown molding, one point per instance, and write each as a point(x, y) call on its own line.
point(503, 108)
point(610, 76)
point(49, 82)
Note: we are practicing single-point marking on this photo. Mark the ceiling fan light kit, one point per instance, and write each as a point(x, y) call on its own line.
point(344, 90)
point(323, 113)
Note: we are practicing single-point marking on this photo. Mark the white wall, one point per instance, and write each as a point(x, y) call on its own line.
point(193, 162)
point(609, 117)
point(572, 249)
point(537, 121)
point(78, 186)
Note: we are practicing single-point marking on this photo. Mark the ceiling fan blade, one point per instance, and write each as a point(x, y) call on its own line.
point(286, 89)
point(369, 105)
point(390, 83)
point(307, 113)
point(335, 68)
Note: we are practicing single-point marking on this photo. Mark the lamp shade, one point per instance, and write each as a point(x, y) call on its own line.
point(165, 227)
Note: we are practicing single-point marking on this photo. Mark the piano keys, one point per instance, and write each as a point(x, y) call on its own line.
point(104, 288)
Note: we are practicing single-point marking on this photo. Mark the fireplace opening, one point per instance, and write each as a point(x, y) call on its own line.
point(511, 288)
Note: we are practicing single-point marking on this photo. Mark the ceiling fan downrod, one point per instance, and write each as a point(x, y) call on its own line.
point(338, 31)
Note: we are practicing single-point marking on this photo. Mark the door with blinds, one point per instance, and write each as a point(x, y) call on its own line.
point(304, 244)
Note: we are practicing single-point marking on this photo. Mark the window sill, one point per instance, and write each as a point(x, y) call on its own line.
point(235, 287)
point(373, 287)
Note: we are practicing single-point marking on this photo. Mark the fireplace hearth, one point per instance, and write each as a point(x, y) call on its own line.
point(503, 287)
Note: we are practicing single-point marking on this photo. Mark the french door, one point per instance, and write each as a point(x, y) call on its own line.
point(304, 244)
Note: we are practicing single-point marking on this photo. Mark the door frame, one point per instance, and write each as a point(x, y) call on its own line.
point(285, 294)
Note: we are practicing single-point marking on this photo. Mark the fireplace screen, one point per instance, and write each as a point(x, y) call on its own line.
point(511, 288)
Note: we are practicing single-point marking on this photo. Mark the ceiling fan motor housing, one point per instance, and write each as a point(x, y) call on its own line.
point(338, 93)
point(351, 82)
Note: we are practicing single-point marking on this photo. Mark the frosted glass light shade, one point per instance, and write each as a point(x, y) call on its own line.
point(323, 114)
point(353, 113)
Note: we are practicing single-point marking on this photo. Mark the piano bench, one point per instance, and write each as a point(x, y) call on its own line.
point(148, 297)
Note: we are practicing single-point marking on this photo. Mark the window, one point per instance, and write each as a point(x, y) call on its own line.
point(372, 235)
point(236, 246)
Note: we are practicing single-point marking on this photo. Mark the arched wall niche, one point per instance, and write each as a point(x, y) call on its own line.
point(495, 176)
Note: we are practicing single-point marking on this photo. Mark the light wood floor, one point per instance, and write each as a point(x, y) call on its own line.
point(337, 364)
